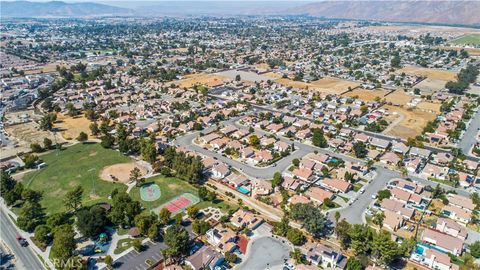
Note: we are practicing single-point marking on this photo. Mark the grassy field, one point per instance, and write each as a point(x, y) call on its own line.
point(471, 39)
point(76, 165)
point(170, 188)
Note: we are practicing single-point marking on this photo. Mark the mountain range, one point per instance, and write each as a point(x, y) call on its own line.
point(58, 9)
point(421, 11)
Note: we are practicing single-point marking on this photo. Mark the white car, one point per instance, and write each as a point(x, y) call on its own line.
point(362, 190)
point(374, 196)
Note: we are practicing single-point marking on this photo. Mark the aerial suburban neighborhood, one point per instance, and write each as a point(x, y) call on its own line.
point(236, 139)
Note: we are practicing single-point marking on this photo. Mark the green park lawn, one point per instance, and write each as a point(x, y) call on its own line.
point(468, 39)
point(79, 164)
point(170, 187)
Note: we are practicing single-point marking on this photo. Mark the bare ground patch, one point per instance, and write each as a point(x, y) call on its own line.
point(120, 172)
point(367, 95)
point(70, 127)
point(412, 124)
point(199, 79)
point(430, 73)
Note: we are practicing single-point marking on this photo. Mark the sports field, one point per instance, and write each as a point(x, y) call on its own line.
point(470, 39)
point(170, 188)
point(79, 164)
point(179, 203)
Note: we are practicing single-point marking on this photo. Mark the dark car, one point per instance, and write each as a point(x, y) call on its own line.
point(22, 241)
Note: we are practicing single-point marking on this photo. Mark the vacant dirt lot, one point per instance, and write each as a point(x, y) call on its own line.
point(429, 86)
point(367, 95)
point(335, 84)
point(412, 123)
point(399, 97)
point(433, 107)
point(193, 79)
point(70, 127)
point(325, 85)
point(430, 73)
point(120, 172)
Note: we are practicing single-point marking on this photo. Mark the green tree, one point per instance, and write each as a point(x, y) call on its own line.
point(230, 257)
point(36, 148)
point(475, 249)
point(124, 209)
point(360, 150)
point(164, 216)
point(63, 243)
point(277, 179)
point(383, 247)
point(318, 138)
point(42, 234)
point(47, 143)
point(296, 236)
point(177, 240)
point(297, 256)
point(73, 198)
point(313, 219)
point(153, 232)
point(192, 211)
point(144, 222)
point(354, 264)
point(91, 222)
point(82, 137)
point(383, 194)
point(378, 219)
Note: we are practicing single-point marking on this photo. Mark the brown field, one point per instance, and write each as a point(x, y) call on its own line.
point(412, 122)
point(273, 75)
point(430, 73)
point(430, 85)
point(399, 97)
point(367, 95)
point(429, 106)
point(70, 127)
point(325, 85)
point(262, 66)
point(120, 172)
point(194, 79)
point(181, 50)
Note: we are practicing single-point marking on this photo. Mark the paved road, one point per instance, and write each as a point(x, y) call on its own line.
point(265, 253)
point(301, 150)
point(469, 136)
point(26, 258)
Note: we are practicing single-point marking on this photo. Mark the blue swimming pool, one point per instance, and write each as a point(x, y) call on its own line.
point(419, 250)
point(243, 190)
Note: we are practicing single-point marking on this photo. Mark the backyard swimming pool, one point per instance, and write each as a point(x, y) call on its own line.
point(243, 190)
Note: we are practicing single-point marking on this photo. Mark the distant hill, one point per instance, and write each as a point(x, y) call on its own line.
point(425, 11)
point(58, 9)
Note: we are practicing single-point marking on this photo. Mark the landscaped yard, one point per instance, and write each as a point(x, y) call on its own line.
point(124, 244)
point(79, 164)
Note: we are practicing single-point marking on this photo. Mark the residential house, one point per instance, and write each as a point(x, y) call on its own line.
point(442, 241)
point(325, 257)
point(451, 227)
point(434, 171)
point(222, 238)
point(393, 220)
point(318, 195)
point(336, 185)
point(205, 258)
point(380, 143)
point(245, 219)
point(220, 170)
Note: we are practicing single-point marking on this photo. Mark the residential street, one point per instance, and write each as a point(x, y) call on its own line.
point(26, 258)
point(468, 139)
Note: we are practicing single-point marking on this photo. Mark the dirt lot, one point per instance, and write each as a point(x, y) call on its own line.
point(193, 79)
point(367, 95)
point(416, 29)
point(429, 86)
point(22, 135)
point(399, 97)
point(412, 122)
point(433, 107)
point(120, 172)
point(430, 73)
point(70, 127)
point(325, 85)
